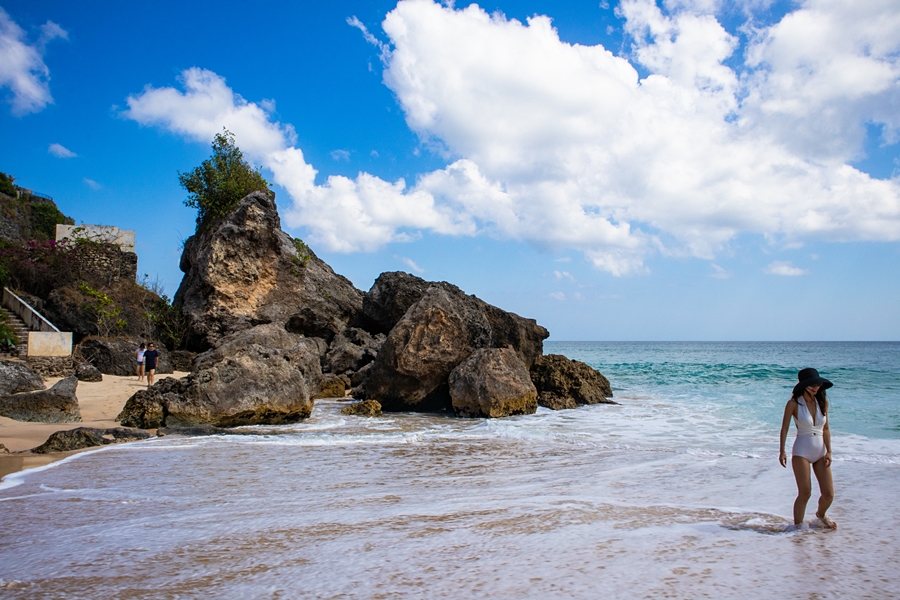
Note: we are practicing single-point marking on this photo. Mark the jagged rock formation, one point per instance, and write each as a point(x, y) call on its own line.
point(16, 377)
point(389, 298)
point(436, 334)
point(260, 375)
point(565, 383)
point(116, 356)
point(492, 382)
point(55, 405)
point(88, 437)
point(243, 270)
point(351, 350)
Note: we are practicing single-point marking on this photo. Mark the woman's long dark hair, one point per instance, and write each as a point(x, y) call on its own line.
point(821, 398)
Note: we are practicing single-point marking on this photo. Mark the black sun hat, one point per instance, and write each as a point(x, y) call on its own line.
point(808, 377)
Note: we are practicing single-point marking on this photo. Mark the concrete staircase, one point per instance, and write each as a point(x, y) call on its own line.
point(18, 327)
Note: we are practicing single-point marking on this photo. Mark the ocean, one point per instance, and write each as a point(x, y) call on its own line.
point(676, 492)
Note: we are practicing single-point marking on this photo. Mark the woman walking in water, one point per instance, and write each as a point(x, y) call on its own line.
point(809, 408)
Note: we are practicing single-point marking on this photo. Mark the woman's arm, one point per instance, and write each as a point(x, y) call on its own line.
point(826, 434)
point(789, 409)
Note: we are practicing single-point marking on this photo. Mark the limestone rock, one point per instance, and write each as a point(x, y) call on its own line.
point(351, 350)
point(182, 360)
point(332, 387)
point(435, 335)
point(263, 375)
point(88, 372)
point(366, 408)
point(565, 383)
point(390, 297)
point(88, 437)
point(115, 356)
point(16, 377)
point(492, 382)
point(243, 270)
point(55, 405)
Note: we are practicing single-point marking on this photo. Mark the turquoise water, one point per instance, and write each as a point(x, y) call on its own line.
point(675, 492)
point(753, 380)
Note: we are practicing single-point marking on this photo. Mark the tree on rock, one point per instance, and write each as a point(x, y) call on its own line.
point(220, 182)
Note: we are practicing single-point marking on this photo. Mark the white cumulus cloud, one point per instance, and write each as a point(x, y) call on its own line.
point(60, 151)
point(785, 269)
point(565, 146)
point(22, 67)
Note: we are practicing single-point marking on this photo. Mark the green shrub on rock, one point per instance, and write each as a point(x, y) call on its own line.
point(220, 182)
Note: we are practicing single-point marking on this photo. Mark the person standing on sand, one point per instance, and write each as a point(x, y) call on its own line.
point(139, 355)
point(150, 358)
point(809, 408)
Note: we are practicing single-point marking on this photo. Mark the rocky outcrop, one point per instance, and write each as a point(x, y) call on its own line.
point(264, 375)
point(16, 377)
point(55, 405)
point(565, 383)
point(182, 360)
point(88, 372)
point(243, 270)
point(389, 298)
point(366, 408)
point(492, 382)
point(115, 356)
point(88, 437)
point(351, 350)
point(435, 335)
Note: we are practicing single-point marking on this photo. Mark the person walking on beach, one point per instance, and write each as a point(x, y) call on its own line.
point(150, 358)
point(808, 407)
point(139, 355)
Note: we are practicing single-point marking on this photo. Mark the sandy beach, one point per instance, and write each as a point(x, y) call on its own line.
point(99, 403)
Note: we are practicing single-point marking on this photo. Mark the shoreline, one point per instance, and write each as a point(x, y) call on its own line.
point(99, 404)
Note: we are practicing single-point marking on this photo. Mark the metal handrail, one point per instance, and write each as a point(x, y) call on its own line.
point(34, 320)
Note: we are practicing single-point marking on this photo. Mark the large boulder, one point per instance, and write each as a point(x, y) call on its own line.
point(55, 405)
point(88, 372)
point(435, 335)
point(390, 297)
point(565, 383)
point(264, 375)
point(492, 382)
point(115, 356)
point(88, 437)
point(16, 377)
point(243, 270)
point(351, 350)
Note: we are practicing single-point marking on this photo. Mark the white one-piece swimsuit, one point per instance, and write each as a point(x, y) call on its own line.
point(810, 442)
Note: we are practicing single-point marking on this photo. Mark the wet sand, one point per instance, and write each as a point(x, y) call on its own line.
point(99, 403)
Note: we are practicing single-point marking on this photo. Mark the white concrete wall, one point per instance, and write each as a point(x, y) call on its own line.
point(124, 238)
point(44, 343)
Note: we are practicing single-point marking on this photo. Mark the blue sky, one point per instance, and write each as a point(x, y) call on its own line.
point(680, 170)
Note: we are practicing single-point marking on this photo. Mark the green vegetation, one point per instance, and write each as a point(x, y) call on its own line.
point(170, 323)
point(104, 310)
point(6, 185)
point(303, 256)
point(220, 182)
point(44, 219)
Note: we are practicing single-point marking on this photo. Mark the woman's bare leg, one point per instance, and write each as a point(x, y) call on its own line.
point(826, 487)
point(804, 487)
